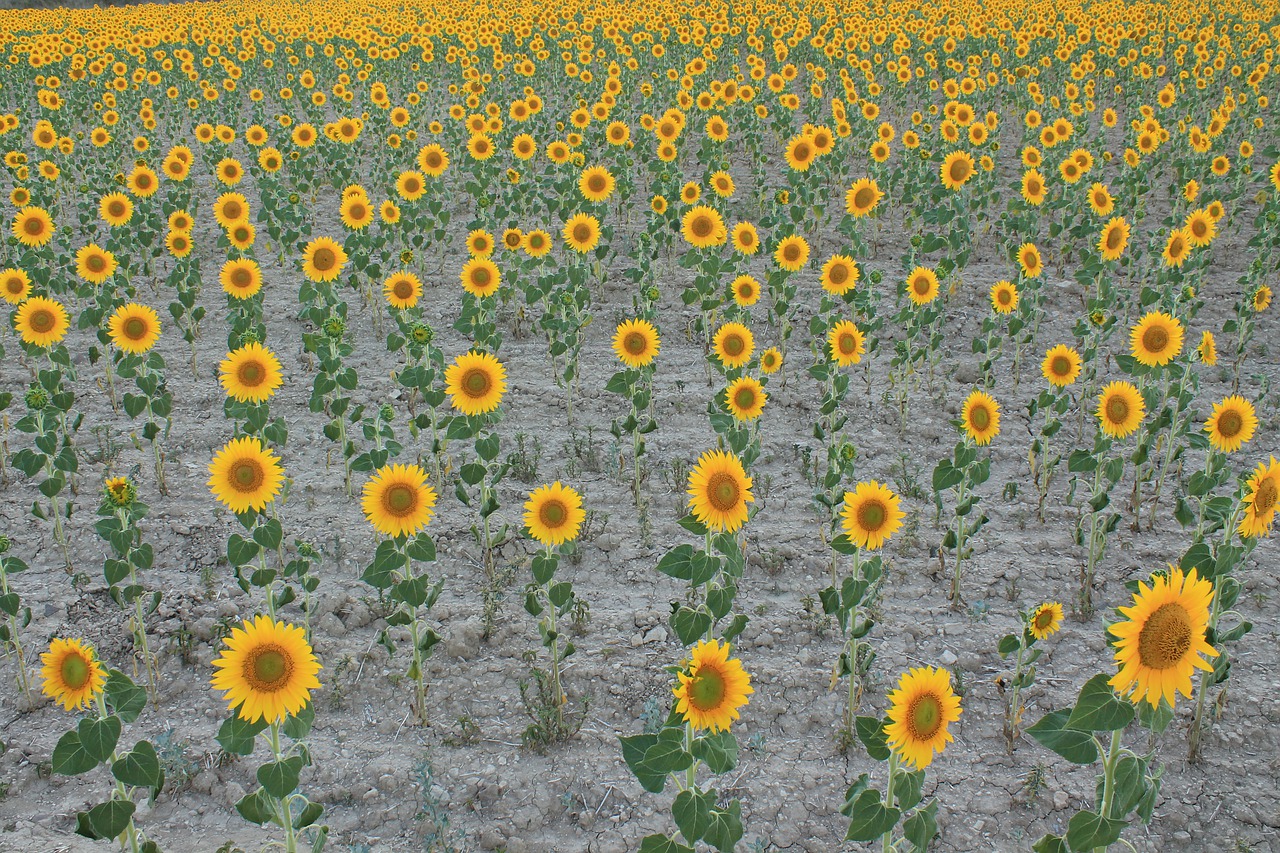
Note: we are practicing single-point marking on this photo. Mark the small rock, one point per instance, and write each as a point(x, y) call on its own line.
point(1060, 800)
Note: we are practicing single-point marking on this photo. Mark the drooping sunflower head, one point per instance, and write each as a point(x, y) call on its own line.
point(862, 197)
point(703, 227)
point(1045, 620)
point(1061, 366)
point(713, 688)
point(582, 232)
point(733, 343)
point(1156, 339)
point(1120, 409)
point(134, 328)
point(719, 491)
point(920, 711)
point(250, 374)
point(245, 475)
point(1208, 349)
point(476, 382)
point(847, 343)
point(1261, 298)
point(553, 514)
point(1004, 297)
point(1262, 497)
point(480, 277)
point(871, 514)
point(791, 253)
point(1232, 424)
point(980, 417)
point(72, 675)
point(41, 321)
point(922, 285)
point(323, 259)
point(840, 274)
point(745, 398)
point(267, 670)
point(398, 501)
point(1160, 642)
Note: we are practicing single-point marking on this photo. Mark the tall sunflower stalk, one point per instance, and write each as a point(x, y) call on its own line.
point(16, 615)
point(120, 515)
point(49, 420)
point(962, 474)
point(1037, 624)
point(636, 343)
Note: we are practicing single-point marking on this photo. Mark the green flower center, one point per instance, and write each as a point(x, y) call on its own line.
point(74, 671)
point(400, 499)
point(706, 689)
point(553, 514)
point(135, 328)
point(926, 716)
point(476, 383)
point(268, 668)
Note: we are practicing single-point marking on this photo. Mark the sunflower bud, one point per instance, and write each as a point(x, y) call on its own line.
point(120, 492)
point(334, 328)
point(406, 256)
point(386, 413)
point(652, 293)
point(1098, 318)
point(4, 543)
point(422, 333)
point(36, 398)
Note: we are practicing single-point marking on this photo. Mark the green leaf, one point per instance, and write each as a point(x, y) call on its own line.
point(869, 818)
point(1130, 784)
point(280, 778)
point(870, 731)
point(257, 807)
point(908, 787)
point(725, 830)
point(309, 815)
point(668, 755)
point(544, 567)
point(1008, 645)
point(1076, 746)
point(633, 751)
point(236, 736)
point(921, 827)
point(1099, 709)
point(662, 844)
point(692, 812)
point(1088, 830)
point(98, 738)
point(690, 625)
point(299, 725)
point(678, 563)
point(70, 757)
point(719, 751)
point(123, 696)
point(1050, 844)
point(139, 767)
point(109, 819)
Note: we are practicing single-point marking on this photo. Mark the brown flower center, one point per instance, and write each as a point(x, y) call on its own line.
point(1230, 423)
point(723, 491)
point(1155, 339)
point(980, 417)
point(706, 689)
point(1114, 237)
point(1060, 366)
point(251, 373)
point(1117, 409)
point(1264, 499)
point(1165, 639)
point(247, 475)
point(745, 398)
point(267, 669)
point(701, 226)
point(476, 383)
point(135, 328)
point(635, 343)
point(872, 515)
point(324, 259)
point(34, 226)
point(864, 198)
point(553, 514)
point(400, 500)
point(42, 320)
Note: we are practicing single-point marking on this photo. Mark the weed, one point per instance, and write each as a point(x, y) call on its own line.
point(523, 461)
point(468, 733)
point(550, 725)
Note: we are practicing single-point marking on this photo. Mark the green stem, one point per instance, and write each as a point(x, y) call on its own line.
point(955, 579)
point(286, 819)
point(1109, 779)
point(886, 840)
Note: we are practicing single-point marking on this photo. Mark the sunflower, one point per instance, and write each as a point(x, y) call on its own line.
point(1029, 260)
point(480, 243)
point(1159, 644)
point(1114, 239)
point(1261, 298)
point(1033, 190)
point(980, 417)
point(596, 183)
point(480, 147)
point(703, 227)
point(1231, 424)
point(241, 235)
point(956, 169)
point(582, 232)
point(229, 171)
point(770, 360)
point(34, 227)
point(1156, 339)
point(411, 185)
point(871, 515)
point(1004, 297)
point(476, 381)
point(746, 240)
point(230, 208)
point(15, 285)
point(920, 710)
point(862, 197)
point(1200, 228)
point(1177, 248)
point(250, 374)
point(245, 475)
point(1261, 499)
point(73, 677)
point(398, 501)
point(323, 260)
point(792, 253)
point(846, 342)
point(143, 182)
point(922, 285)
point(241, 277)
point(636, 342)
point(715, 686)
point(480, 277)
point(41, 321)
point(554, 514)
point(840, 274)
point(95, 264)
point(800, 153)
point(402, 289)
point(1046, 620)
point(433, 160)
point(1061, 366)
point(356, 212)
point(1208, 349)
point(512, 239)
point(733, 344)
point(719, 491)
point(722, 184)
point(1120, 409)
point(745, 290)
point(267, 670)
point(536, 243)
point(134, 328)
point(745, 398)
point(178, 243)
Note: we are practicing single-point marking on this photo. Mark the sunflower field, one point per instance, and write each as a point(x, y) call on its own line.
point(630, 427)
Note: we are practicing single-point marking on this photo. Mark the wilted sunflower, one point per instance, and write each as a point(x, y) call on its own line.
point(241, 277)
point(1208, 349)
point(980, 417)
point(554, 514)
point(791, 253)
point(1046, 620)
point(134, 328)
point(847, 343)
point(41, 321)
point(1004, 297)
point(582, 232)
point(1061, 366)
point(1231, 424)
point(267, 670)
point(480, 277)
point(15, 285)
point(733, 343)
point(719, 491)
point(745, 398)
point(957, 169)
point(922, 285)
point(1120, 409)
point(1261, 499)
point(95, 264)
point(840, 274)
point(1159, 644)
point(920, 711)
point(1114, 239)
point(862, 197)
point(1156, 339)
point(245, 475)
point(871, 514)
point(250, 374)
point(745, 290)
point(715, 686)
point(476, 381)
point(703, 227)
point(1261, 298)
point(323, 260)
point(72, 675)
point(397, 500)
point(34, 227)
